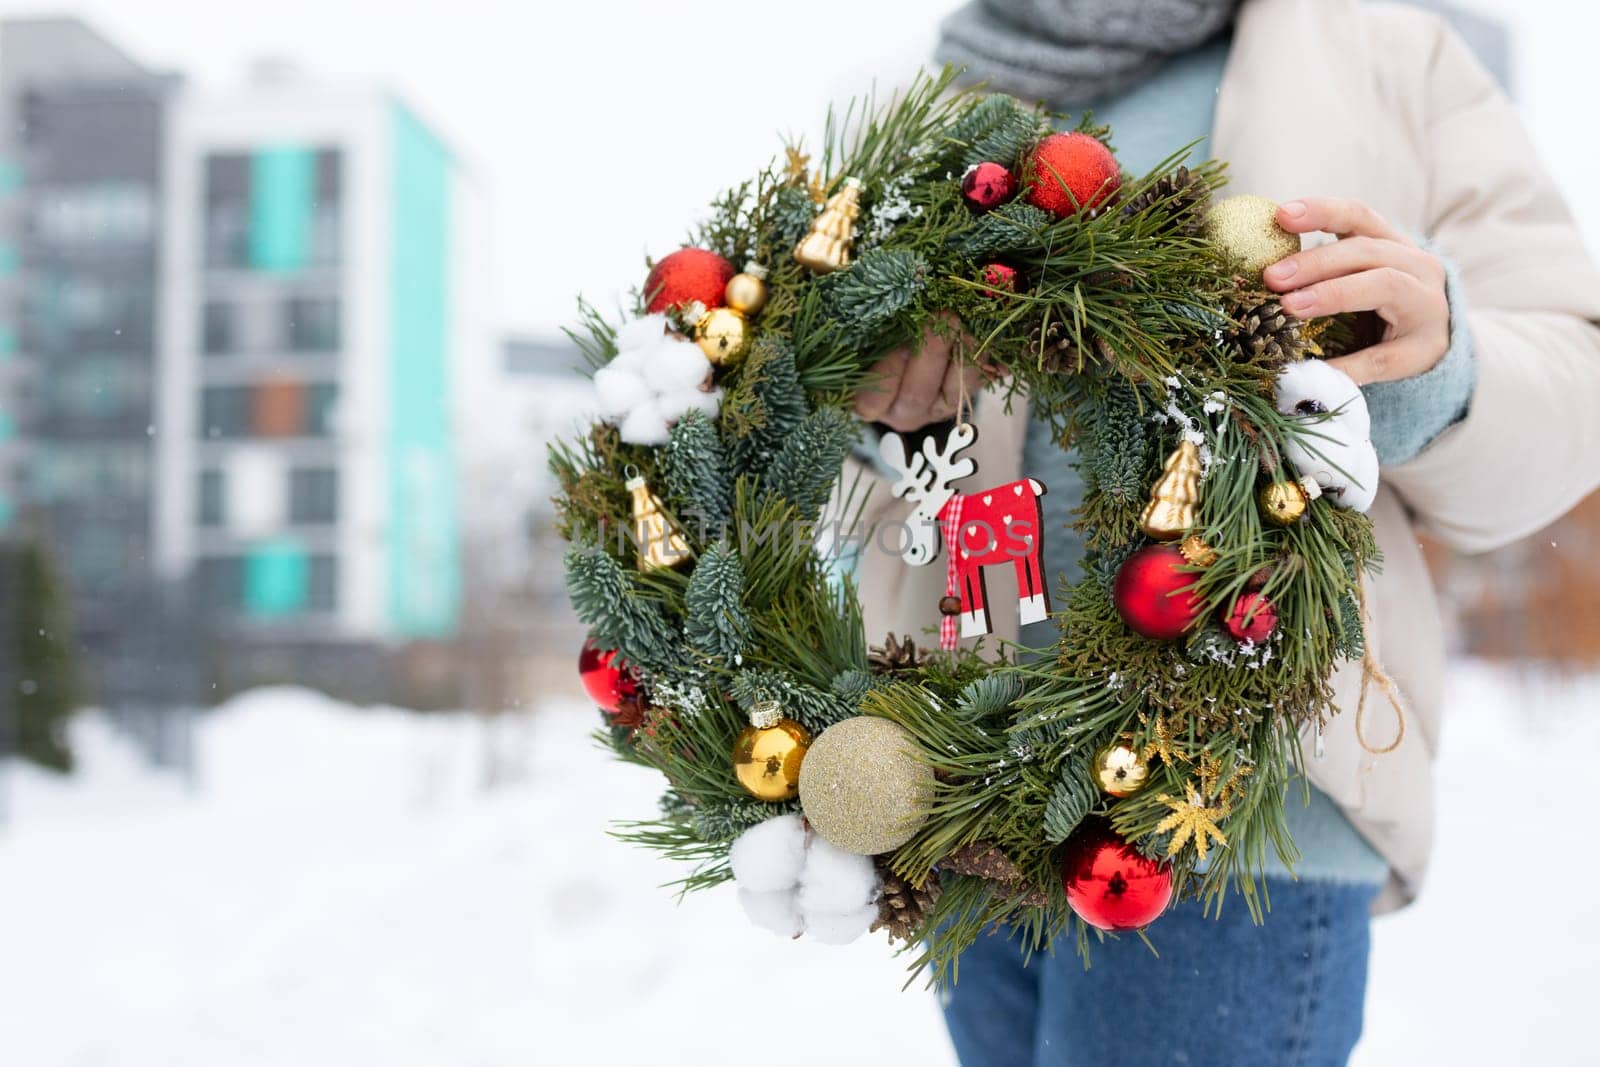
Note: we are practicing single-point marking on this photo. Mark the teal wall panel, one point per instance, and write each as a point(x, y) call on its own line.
point(424, 579)
point(283, 185)
point(276, 579)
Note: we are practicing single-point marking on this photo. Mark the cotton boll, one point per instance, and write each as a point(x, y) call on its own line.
point(769, 855)
point(644, 424)
point(773, 911)
point(670, 366)
point(840, 928)
point(618, 389)
point(1346, 468)
point(1327, 388)
point(677, 404)
point(834, 880)
point(1361, 488)
point(640, 333)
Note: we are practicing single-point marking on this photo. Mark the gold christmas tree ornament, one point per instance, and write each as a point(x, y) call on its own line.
point(1120, 771)
point(659, 543)
point(767, 759)
point(722, 335)
point(1246, 228)
point(746, 292)
point(1175, 498)
point(826, 248)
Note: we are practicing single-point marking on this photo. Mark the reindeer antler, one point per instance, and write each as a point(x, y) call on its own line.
point(946, 468)
point(913, 472)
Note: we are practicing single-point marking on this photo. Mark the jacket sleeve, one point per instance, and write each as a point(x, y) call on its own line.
point(1529, 446)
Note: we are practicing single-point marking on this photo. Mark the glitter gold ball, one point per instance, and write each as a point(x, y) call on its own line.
point(767, 760)
point(1246, 228)
point(862, 787)
point(722, 335)
point(1119, 771)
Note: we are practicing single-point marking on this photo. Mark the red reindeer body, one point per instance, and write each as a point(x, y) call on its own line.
point(998, 525)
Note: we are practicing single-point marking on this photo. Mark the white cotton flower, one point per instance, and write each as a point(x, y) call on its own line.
point(841, 928)
point(656, 378)
point(773, 911)
point(1334, 449)
point(834, 880)
point(770, 855)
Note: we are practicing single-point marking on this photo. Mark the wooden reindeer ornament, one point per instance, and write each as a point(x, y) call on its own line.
point(998, 525)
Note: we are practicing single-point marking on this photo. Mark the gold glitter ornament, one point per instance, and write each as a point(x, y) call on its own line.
point(1285, 502)
point(659, 543)
point(767, 759)
point(1120, 771)
point(1246, 228)
point(1197, 552)
point(826, 248)
point(862, 786)
point(747, 291)
point(722, 335)
point(1175, 498)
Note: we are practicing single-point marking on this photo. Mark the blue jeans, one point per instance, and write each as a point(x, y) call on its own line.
point(1223, 993)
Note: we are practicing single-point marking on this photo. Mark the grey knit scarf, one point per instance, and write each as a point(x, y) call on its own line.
point(1068, 52)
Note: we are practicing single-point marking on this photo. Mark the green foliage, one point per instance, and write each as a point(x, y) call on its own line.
point(991, 695)
point(876, 288)
point(1071, 801)
point(807, 465)
point(714, 615)
point(765, 406)
point(811, 707)
point(39, 646)
point(721, 823)
point(695, 475)
point(619, 613)
point(1011, 227)
point(998, 129)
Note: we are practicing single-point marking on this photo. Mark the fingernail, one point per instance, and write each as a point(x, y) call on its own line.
point(1294, 209)
point(1298, 300)
point(1283, 270)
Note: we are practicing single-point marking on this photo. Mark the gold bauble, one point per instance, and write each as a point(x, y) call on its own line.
point(1246, 228)
point(767, 759)
point(862, 786)
point(746, 292)
point(1120, 771)
point(722, 335)
point(1175, 498)
point(1283, 502)
point(659, 543)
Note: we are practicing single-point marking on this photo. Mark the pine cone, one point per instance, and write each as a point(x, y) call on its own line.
point(983, 859)
point(902, 907)
point(893, 655)
point(1185, 196)
point(1057, 353)
point(1270, 335)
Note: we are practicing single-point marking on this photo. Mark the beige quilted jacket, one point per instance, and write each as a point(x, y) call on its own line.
point(1385, 104)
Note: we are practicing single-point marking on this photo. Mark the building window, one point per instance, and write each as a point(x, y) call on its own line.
point(314, 497)
point(283, 408)
point(312, 324)
point(209, 503)
point(327, 213)
point(227, 220)
point(225, 411)
point(219, 584)
point(278, 409)
point(219, 328)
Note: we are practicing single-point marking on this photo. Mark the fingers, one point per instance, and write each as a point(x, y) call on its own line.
point(1387, 362)
point(1350, 256)
point(883, 382)
point(917, 402)
point(1336, 215)
point(1399, 297)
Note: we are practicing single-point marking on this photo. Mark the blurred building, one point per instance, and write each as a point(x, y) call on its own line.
point(82, 183)
point(312, 309)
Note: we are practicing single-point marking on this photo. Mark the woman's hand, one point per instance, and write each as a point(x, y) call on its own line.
point(1372, 267)
point(912, 388)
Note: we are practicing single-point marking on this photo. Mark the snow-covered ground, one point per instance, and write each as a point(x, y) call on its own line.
point(338, 886)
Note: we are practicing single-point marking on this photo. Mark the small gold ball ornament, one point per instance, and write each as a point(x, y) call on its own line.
point(722, 335)
point(1120, 771)
point(1197, 552)
point(862, 786)
point(1284, 503)
point(767, 759)
point(747, 291)
point(1246, 228)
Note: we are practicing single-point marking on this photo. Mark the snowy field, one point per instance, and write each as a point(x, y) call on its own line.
point(338, 887)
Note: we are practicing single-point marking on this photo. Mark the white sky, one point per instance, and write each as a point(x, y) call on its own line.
point(598, 130)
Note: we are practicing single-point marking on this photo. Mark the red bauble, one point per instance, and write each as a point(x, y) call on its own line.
point(1154, 593)
point(688, 274)
point(987, 185)
point(1086, 166)
point(1000, 279)
point(1109, 885)
point(606, 681)
point(1247, 627)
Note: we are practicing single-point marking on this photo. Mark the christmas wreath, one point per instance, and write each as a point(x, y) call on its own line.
point(934, 794)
